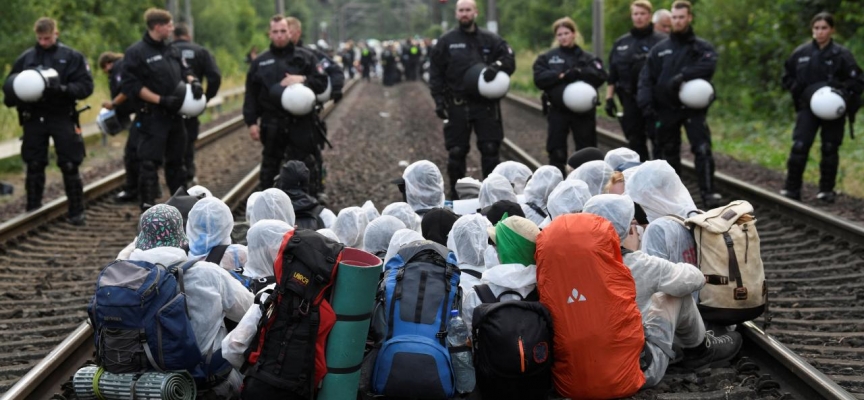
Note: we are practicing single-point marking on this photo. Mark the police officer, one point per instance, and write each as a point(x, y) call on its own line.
point(411, 59)
point(367, 60)
point(626, 59)
point(390, 65)
point(153, 73)
point(281, 134)
point(52, 116)
point(681, 57)
point(813, 65)
point(112, 65)
point(348, 58)
point(662, 21)
point(553, 71)
point(204, 67)
point(454, 54)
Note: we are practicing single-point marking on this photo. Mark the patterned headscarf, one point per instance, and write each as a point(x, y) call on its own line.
point(161, 226)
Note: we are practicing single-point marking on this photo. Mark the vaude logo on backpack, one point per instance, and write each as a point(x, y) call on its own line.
point(512, 346)
point(728, 253)
point(421, 286)
point(286, 358)
point(140, 318)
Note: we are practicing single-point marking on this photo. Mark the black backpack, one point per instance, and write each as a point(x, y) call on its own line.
point(309, 219)
point(286, 358)
point(512, 346)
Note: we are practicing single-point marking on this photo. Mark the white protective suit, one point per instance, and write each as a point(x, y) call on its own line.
point(515, 172)
point(500, 278)
point(495, 188)
point(371, 211)
point(424, 186)
point(250, 203)
point(404, 213)
point(667, 239)
point(211, 293)
point(663, 288)
point(198, 190)
point(622, 155)
point(350, 226)
point(272, 204)
point(568, 197)
point(468, 241)
point(328, 233)
point(594, 173)
point(468, 188)
point(208, 225)
point(657, 188)
point(378, 233)
point(538, 189)
point(264, 240)
point(399, 239)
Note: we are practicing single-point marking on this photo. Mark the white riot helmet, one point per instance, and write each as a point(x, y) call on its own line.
point(827, 104)
point(696, 94)
point(298, 99)
point(324, 96)
point(192, 108)
point(580, 97)
point(493, 90)
point(29, 85)
point(108, 122)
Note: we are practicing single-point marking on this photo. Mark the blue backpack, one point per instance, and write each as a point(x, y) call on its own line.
point(141, 322)
point(420, 287)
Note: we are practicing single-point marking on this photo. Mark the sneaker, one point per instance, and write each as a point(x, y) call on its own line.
point(78, 220)
point(711, 200)
point(713, 350)
point(791, 194)
point(827, 197)
point(126, 196)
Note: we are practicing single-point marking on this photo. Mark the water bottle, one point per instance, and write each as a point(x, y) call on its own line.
point(463, 366)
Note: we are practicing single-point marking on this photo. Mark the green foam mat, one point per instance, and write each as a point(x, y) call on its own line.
point(93, 383)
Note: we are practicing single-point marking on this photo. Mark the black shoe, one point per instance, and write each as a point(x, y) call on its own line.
point(126, 196)
point(791, 194)
point(711, 200)
point(713, 350)
point(78, 220)
point(827, 197)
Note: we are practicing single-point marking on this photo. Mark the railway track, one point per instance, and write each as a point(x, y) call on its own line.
point(49, 266)
point(814, 264)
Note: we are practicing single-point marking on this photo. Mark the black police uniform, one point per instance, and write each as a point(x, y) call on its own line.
point(390, 64)
point(626, 60)
point(53, 116)
point(348, 61)
point(808, 69)
point(576, 65)
point(412, 61)
point(157, 66)
point(681, 57)
point(130, 151)
point(282, 135)
point(367, 61)
point(337, 82)
point(203, 67)
point(454, 54)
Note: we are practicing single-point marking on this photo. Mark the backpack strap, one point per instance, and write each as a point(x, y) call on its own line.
point(533, 296)
point(485, 294)
point(625, 251)
point(316, 213)
point(513, 292)
point(476, 274)
point(216, 254)
point(537, 209)
point(740, 292)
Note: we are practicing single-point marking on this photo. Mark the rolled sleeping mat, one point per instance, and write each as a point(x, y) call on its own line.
point(94, 383)
point(353, 300)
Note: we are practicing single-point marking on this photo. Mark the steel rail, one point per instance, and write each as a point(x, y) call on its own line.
point(814, 378)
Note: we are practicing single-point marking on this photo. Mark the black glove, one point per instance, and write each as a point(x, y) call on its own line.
point(171, 103)
point(336, 96)
point(491, 72)
point(197, 90)
point(53, 86)
point(675, 83)
point(572, 74)
point(611, 108)
point(441, 112)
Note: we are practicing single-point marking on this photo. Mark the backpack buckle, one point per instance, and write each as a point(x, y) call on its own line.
point(740, 293)
point(303, 308)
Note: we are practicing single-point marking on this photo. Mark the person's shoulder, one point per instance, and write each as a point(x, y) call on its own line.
point(621, 39)
point(703, 43)
point(66, 50)
point(27, 52)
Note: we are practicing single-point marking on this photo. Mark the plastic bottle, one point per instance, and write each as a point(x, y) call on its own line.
point(463, 365)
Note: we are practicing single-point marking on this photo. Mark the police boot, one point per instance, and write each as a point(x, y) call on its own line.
point(712, 351)
point(175, 177)
point(74, 194)
point(828, 172)
point(34, 185)
point(705, 173)
point(148, 184)
point(795, 170)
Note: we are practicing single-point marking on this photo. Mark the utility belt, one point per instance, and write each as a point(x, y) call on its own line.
point(156, 110)
point(460, 101)
point(40, 115)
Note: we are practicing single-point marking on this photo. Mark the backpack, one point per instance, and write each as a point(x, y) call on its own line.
point(286, 358)
point(728, 253)
point(420, 287)
point(591, 296)
point(309, 219)
point(512, 346)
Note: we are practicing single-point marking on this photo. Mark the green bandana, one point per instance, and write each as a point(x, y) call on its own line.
point(512, 247)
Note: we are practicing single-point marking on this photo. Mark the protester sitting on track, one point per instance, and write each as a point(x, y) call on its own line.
point(495, 187)
point(378, 234)
point(209, 225)
point(264, 240)
point(308, 212)
point(594, 173)
point(620, 156)
point(468, 188)
point(516, 240)
point(424, 186)
point(537, 192)
point(568, 197)
point(399, 239)
point(494, 214)
point(436, 224)
point(583, 156)
point(329, 234)
point(515, 172)
point(198, 191)
point(404, 213)
point(211, 292)
point(371, 210)
point(271, 204)
point(250, 203)
point(615, 184)
point(664, 238)
point(663, 294)
point(468, 241)
point(350, 226)
point(659, 191)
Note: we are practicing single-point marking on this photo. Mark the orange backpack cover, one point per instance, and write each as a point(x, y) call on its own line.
point(591, 295)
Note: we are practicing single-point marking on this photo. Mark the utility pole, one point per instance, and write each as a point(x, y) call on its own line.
point(597, 31)
point(171, 6)
point(492, 16)
point(187, 5)
point(280, 7)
